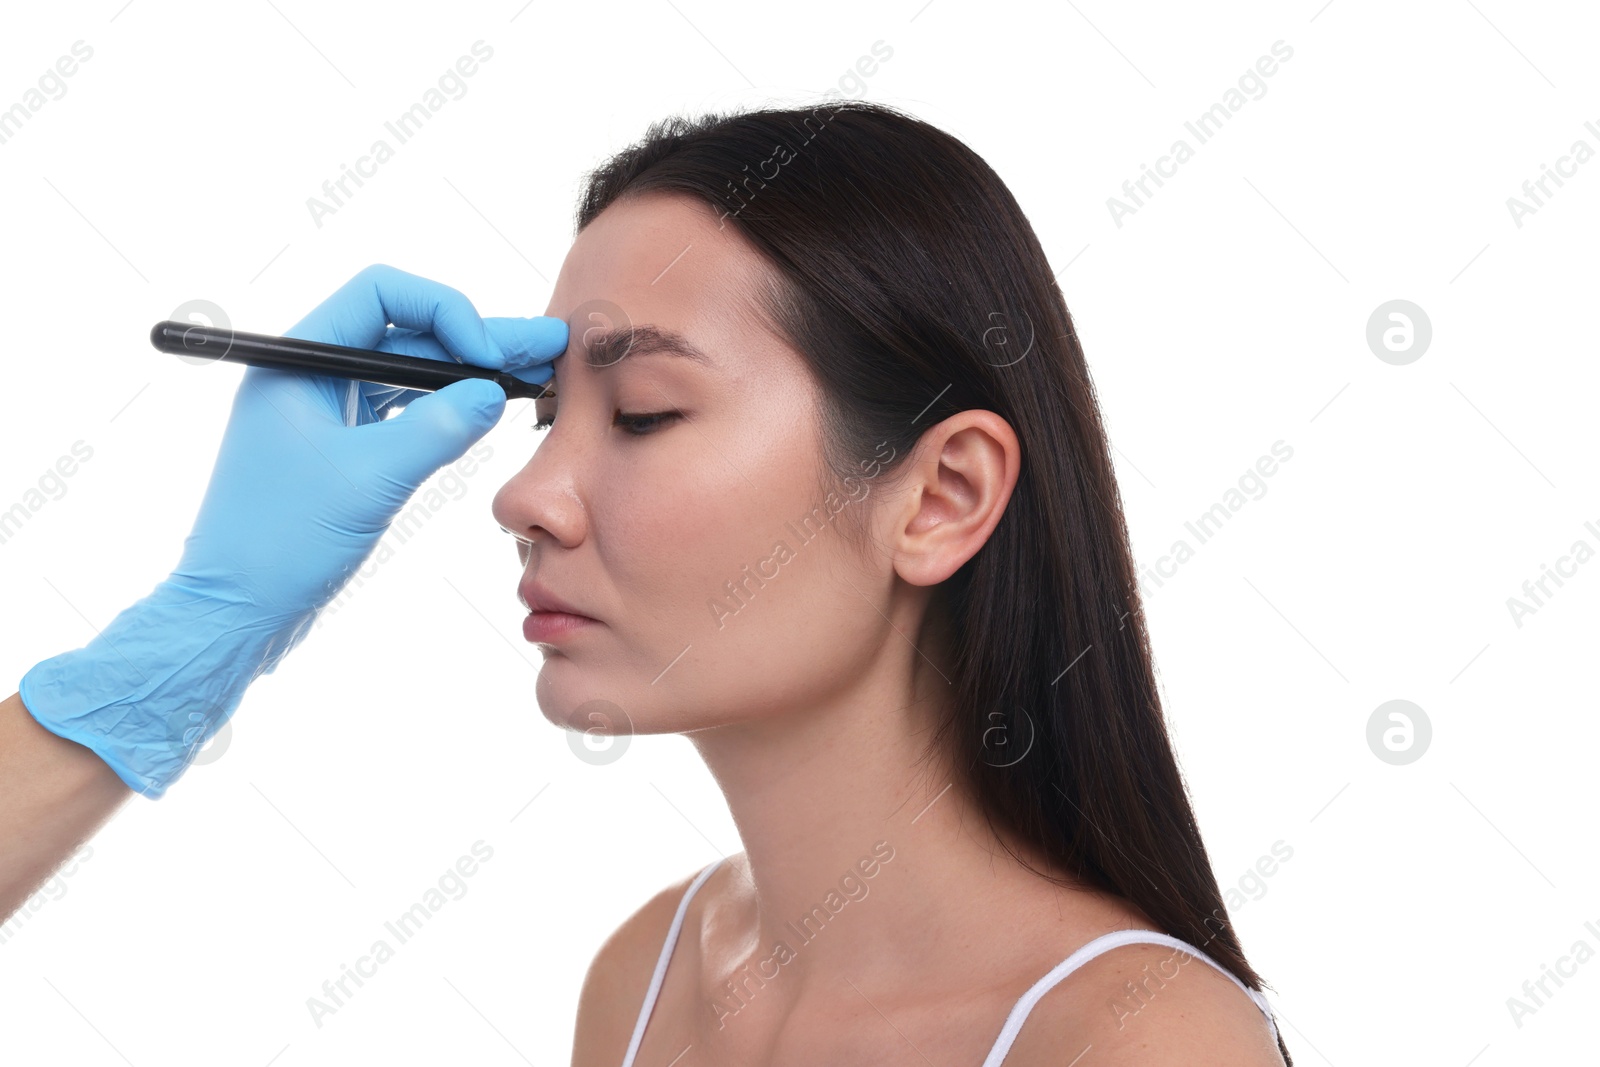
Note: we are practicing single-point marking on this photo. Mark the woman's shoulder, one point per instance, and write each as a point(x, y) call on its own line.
point(619, 976)
point(1133, 1001)
point(1143, 1002)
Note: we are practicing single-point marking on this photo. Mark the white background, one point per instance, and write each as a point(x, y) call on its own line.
point(1228, 313)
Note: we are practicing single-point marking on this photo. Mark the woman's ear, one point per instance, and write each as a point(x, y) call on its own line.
point(956, 486)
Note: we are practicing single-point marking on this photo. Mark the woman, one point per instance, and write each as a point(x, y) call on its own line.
point(829, 493)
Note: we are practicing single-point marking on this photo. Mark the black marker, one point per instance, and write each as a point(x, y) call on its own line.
point(200, 344)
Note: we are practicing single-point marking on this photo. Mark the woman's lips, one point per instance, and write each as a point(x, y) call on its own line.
point(548, 626)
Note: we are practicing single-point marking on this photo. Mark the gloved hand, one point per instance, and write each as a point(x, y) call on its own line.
point(308, 477)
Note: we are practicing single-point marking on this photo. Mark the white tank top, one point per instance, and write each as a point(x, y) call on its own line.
point(1019, 1013)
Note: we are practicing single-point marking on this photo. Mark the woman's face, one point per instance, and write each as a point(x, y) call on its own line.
point(698, 542)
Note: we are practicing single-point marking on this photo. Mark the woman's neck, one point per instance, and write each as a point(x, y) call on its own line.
point(864, 856)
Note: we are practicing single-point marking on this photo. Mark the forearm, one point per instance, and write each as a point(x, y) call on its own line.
point(54, 795)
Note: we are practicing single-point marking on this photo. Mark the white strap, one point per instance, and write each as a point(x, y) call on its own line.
point(661, 963)
point(1105, 943)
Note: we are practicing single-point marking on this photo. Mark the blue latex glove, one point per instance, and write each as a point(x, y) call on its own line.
point(308, 477)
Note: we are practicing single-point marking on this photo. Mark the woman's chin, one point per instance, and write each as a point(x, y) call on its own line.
point(592, 715)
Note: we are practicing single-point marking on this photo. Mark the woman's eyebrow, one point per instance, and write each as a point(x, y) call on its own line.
point(608, 346)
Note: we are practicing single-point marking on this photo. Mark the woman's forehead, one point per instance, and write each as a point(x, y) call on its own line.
point(651, 252)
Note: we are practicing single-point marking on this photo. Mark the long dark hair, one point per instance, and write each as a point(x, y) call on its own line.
point(914, 288)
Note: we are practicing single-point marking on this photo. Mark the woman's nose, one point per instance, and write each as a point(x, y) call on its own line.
point(541, 502)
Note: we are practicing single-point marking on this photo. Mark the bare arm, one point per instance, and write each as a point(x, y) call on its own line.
point(54, 795)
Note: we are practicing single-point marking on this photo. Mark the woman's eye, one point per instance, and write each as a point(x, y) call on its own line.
point(640, 425)
point(636, 425)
